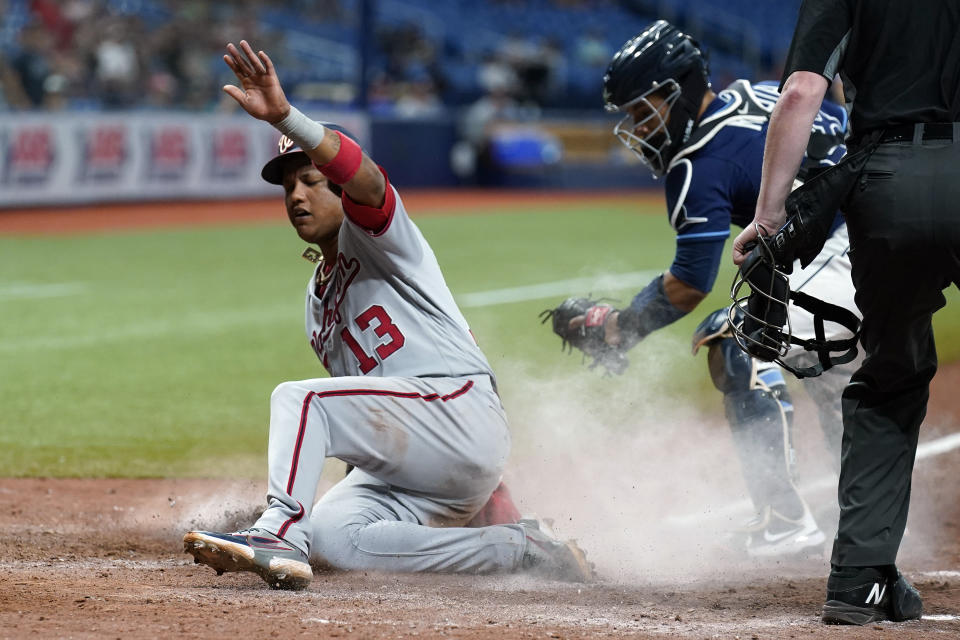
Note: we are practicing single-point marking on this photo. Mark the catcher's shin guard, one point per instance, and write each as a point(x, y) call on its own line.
point(760, 414)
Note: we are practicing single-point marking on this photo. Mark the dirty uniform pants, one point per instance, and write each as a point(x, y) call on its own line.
point(428, 453)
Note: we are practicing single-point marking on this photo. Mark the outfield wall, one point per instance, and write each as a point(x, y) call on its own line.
point(54, 159)
point(81, 158)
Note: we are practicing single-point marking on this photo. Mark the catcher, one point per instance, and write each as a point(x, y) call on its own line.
point(708, 147)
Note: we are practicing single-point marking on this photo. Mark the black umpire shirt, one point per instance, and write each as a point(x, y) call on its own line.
point(899, 60)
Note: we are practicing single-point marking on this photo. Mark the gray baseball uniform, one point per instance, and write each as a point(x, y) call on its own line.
point(411, 403)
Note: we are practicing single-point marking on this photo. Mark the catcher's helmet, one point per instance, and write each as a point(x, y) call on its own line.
point(664, 61)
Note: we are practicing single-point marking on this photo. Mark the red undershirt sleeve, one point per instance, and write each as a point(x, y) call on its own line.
point(374, 220)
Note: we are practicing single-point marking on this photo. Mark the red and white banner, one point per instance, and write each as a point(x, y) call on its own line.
point(82, 158)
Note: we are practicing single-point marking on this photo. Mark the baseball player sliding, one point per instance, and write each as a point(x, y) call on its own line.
point(411, 401)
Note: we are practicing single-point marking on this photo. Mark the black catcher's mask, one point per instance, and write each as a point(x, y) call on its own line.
point(665, 62)
point(760, 320)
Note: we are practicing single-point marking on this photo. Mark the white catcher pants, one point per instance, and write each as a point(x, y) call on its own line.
point(827, 278)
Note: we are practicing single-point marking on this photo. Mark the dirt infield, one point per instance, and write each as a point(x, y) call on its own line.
point(101, 558)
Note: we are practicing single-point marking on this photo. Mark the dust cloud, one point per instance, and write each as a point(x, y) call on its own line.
point(649, 484)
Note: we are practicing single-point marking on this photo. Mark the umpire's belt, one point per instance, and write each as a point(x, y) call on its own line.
point(921, 132)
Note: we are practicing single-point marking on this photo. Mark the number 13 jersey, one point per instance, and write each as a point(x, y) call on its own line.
point(382, 308)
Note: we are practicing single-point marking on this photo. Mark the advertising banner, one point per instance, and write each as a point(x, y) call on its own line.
point(83, 158)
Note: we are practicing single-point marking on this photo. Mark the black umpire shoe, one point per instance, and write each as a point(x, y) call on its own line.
point(861, 595)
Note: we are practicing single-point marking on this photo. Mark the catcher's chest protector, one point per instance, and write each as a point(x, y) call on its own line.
point(750, 105)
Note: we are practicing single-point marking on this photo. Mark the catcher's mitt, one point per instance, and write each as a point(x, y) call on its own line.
point(588, 337)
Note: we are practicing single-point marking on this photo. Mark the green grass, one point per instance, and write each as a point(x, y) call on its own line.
point(161, 358)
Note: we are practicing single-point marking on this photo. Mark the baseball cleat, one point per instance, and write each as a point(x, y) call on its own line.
point(547, 556)
point(770, 535)
point(279, 563)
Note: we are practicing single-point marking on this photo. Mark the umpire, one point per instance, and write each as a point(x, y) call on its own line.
point(900, 67)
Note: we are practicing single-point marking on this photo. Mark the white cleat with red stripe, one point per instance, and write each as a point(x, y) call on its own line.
point(279, 563)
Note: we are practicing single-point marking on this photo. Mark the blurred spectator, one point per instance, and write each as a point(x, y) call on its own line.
point(412, 80)
point(32, 65)
point(11, 93)
point(418, 100)
point(470, 157)
point(523, 56)
point(77, 12)
point(232, 24)
point(55, 21)
point(556, 64)
point(161, 90)
point(55, 92)
point(166, 53)
point(493, 107)
point(320, 11)
point(495, 74)
point(116, 64)
point(529, 68)
point(183, 56)
point(592, 49)
point(380, 94)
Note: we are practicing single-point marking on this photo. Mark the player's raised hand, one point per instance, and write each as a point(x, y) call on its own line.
point(260, 93)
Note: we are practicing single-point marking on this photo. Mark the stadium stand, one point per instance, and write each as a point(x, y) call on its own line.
point(423, 55)
point(481, 92)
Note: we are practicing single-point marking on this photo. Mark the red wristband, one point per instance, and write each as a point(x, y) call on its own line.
point(344, 166)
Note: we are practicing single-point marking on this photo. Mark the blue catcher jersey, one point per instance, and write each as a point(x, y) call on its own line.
point(714, 179)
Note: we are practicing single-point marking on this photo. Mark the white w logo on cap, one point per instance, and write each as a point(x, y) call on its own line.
point(285, 144)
